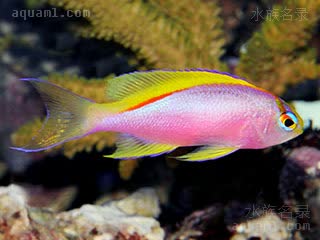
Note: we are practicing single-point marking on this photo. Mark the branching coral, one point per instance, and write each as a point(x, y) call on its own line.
point(165, 34)
point(279, 53)
point(123, 219)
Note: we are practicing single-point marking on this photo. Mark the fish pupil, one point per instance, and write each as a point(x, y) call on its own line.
point(288, 122)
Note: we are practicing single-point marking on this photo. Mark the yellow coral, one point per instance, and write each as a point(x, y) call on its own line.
point(165, 34)
point(276, 56)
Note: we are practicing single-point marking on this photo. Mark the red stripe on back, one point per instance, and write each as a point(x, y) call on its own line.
point(154, 99)
point(151, 100)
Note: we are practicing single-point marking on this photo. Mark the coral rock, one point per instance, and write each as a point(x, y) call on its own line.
point(201, 224)
point(143, 202)
point(19, 221)
point(300, 175)
point(266, 227)
point(307, 158)
point(300, 187)
point(108, 221)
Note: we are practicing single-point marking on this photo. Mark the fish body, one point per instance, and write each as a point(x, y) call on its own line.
point(158, 111)
point(203, 115)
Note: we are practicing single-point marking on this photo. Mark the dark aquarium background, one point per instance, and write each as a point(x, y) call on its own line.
point(73, 192)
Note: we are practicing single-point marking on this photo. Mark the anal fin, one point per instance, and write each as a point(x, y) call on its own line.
point(207, 153)
point(132, 147)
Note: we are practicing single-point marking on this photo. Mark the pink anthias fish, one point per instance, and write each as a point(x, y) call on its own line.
point(157, 111)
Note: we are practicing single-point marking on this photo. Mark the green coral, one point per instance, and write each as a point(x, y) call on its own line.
point(164, 34)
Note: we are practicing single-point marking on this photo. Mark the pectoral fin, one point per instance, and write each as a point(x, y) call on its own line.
point(207, 153)
point(132, 147)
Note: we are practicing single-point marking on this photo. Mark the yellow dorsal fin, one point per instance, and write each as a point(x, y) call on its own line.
point(132, 147)
point(135, 88)
point(207, 153)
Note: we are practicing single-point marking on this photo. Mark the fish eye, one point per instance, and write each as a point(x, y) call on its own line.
point(288, 121)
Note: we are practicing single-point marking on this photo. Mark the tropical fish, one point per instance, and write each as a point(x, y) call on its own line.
point(155, 112)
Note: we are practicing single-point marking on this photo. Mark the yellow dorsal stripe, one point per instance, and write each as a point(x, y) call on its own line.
point(134, 89)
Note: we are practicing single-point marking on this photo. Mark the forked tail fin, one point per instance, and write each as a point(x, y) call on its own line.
point(66, 116)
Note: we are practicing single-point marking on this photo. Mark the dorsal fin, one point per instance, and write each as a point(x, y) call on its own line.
point(135, 88)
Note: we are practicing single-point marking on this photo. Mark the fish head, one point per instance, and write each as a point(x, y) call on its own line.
point(286, 124)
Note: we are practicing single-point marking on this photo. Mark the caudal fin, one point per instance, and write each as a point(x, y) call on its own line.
point(66, 116)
